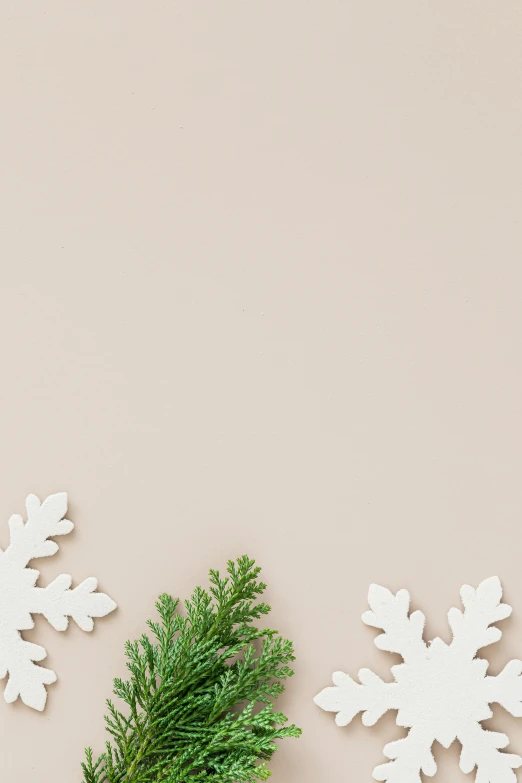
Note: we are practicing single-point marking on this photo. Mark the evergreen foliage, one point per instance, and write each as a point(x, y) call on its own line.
point(199, 695)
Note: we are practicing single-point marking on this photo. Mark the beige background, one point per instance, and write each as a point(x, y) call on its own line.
point(261, 293)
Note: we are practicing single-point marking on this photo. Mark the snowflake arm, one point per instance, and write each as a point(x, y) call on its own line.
point(409, 757)
point(30, 539)
point(481, 749)
point(482, 607)
point(402, 634)
point(506, 688)
point(347, 698)
point(57, 602)
point(26, 679)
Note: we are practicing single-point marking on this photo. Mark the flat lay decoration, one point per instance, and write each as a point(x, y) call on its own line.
point(197, 705)
point(441, 692)
point(20, 598)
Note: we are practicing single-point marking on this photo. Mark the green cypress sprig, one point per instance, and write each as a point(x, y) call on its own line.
point(199, 695)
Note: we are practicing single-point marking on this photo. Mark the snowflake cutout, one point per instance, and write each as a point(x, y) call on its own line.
point(20, 598)
point(441, 691)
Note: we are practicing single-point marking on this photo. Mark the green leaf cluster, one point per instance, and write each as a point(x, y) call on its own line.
point(198, 701)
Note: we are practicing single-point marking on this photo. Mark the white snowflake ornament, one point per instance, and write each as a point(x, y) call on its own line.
point(20, 598)
point(441, 692)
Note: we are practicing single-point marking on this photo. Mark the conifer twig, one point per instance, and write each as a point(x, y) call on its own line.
point(199, 695)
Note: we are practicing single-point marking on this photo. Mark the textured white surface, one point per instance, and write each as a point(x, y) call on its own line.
point(20, 598)
point(441, 692)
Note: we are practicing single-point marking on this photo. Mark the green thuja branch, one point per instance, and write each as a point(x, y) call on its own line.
point(199, 695)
